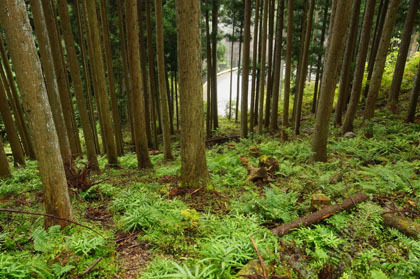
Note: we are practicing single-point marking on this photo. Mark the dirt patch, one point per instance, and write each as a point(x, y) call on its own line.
point(168, 179)
point(201, 199)
point(99, 213)
point(133, 255)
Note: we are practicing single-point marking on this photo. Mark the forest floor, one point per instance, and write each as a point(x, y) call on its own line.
point(145, 225)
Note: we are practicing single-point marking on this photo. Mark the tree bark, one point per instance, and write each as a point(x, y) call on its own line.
point(262, 71)
point(414, 97)
point(298, 68)
point(320, 215)
point(102, 98)
point(28, 71)
point(29, 150)
point(162, 81)
point(270, 63)
point(378, 69)
point(193, 155)
point(329, 79)
point(51, 81)
point(4, 164)
point(143, 158)
point(375, 42)
point(344, 88)
point(61, 74)
point(245, 69)
point(87, 77)
point(152, 85)
point(303, 68)
point(319, 62)
point(124, 59)
point(360, 66)
point(254, 66)
point(289, 47)
point(111, 83)
point(143, 64)
point(17, 152)
point(402, 54)
point(214, 31)
point(209, 126)
point(231, 67)
point(277, 67)
point(77, 83)
point(10, 85)
point(239, 72)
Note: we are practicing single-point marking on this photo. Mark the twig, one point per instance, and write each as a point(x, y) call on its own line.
point(259, 257)
point(89, 268)
point(17, 244)
point(16, 211)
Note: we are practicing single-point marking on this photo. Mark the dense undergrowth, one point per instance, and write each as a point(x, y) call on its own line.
point(144, 223)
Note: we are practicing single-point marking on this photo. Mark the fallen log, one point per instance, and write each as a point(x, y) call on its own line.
point(220, 140)
point(320, 215)
point(402, 224)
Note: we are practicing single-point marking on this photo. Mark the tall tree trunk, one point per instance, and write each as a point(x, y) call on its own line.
point(277, 67)
point(344, 88)
point(15, 23)
point(245, 68)
point(193, 155)
point(303, 68)
point(143, 158)
point(402, 54)
point(254, 66)
point(111, 83)
point(17, 152)
point(88, 86)
point(262, 72)
point(102, 98)
point(124, 59)
point(77, 83)
point(91, 50)
point(414, 97)
point(209, 126)
point(151, 62)
point(299, 64)
point(170, 101)
point(61, 74)
point(329, 79)
point(259, 62)
point(4, 164)
point(9, 82)
point(319, 62)
point(231, 67)
point(162, 81)
point(270, 63)
point(378, 69)
point(176, 100)
point(51, 81)
point(289, 47)
point(215, 24)
point(143, 65)
point(360, 66)
point(375, 43)
point(239, 72)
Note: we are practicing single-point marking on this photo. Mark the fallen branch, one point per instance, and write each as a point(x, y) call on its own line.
point(402, 224)
point(88, 269)
point(16, 211)
point(320, 215)
point(214, 141)
point(259, 257)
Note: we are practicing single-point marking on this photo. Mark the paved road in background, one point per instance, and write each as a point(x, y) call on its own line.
point(223, 91)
